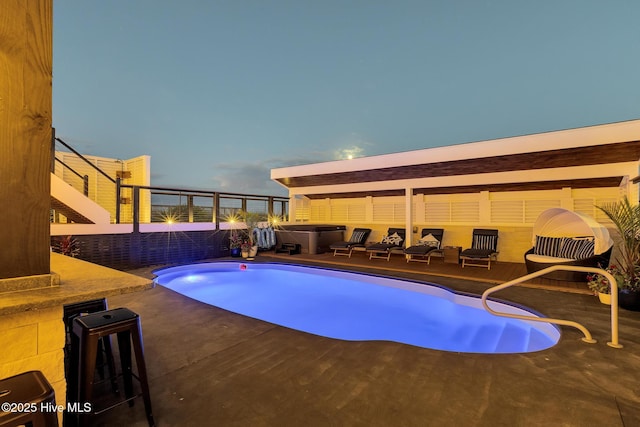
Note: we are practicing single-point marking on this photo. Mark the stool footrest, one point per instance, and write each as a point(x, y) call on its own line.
point(115, 405)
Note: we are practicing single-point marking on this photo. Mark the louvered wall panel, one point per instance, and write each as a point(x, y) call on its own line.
point(400, 210)
point(507, 211)
point(584, 206)
point(357, 213)
point(588, 206)
point(383, 213)
point(437, 212)
point(465, 211)
point(303, 210)
point(389, 213)
point(533, 208)
point(319, 213)
point(339, 213)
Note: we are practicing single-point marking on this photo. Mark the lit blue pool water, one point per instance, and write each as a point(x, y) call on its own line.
point(359, 307)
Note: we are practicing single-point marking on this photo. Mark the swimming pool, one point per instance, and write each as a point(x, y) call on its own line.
point(359, 307)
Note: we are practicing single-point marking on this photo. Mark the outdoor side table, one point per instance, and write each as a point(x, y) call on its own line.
point(452, 254)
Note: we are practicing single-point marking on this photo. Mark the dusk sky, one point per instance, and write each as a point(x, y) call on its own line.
point(220, 92)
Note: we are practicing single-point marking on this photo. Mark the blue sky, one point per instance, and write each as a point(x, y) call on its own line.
point(219, 92)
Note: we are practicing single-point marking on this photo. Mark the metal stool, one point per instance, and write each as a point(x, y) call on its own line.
point(34, 400)
point(87, 330)
point(78, 309)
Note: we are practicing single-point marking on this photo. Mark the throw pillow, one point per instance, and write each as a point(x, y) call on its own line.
point(356, 237)
point(587, 249)
point(548, 246)
point(393, 239)
point(570, 248)
point(484, 242)
point(430, 240)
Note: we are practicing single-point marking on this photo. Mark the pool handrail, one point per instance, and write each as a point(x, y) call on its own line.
point(613, 286)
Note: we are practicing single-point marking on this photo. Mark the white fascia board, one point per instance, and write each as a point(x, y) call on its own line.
point(552, 174)
point(84, 229)
point(570, 138)
point(177, 227)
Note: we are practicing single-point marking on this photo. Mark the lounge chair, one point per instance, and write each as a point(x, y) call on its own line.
point(394, 240)
point(357, 240)
point(484, 248)
point(431, 240)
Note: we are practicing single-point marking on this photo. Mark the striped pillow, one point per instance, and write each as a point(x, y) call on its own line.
point(356, 237)
point(587, 249)
point(484, 242)
point(548, 246)
point(577, 248)
point(570, 248)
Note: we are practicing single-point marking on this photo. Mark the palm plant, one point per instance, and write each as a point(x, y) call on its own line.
point(251, 220)
point(626, 218)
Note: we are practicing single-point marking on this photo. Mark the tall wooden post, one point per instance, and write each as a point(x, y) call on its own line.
point(25, 136)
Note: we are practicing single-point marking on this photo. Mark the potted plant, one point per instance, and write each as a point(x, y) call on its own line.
point(245, 248)
point(235, 243)
point(68, 246)
point(600, 285)
point(626, 218)
point(251, 220)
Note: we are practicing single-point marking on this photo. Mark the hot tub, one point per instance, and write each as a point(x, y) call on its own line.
point(312, 238)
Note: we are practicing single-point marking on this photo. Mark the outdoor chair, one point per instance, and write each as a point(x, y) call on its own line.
point(430, 241)
point(484, 249)
point(564, 237)
point(357, 240)
point(394, 240)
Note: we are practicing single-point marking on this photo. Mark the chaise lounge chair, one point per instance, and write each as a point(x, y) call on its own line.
point(484, 248)
point(357, 240)
point(431, 241)
point(394, 240)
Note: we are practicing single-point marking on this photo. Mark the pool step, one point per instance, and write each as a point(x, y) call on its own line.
point(537, 339)
point(464, 336)
point(513, 339)
point(486, 338)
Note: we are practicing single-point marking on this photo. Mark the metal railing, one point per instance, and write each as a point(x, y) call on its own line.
point(160, 202)
point(83, 159)
point(613, 286)
point(214, 206)
point(89, 189)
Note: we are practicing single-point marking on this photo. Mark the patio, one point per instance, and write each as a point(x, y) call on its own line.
point(208, 366)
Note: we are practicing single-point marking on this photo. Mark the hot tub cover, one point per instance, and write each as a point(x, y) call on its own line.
point(311, 227)
point(559, 222)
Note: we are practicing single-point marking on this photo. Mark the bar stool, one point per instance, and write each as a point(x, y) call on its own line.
point(86, 332)
point(70, 311)
point(34, 398)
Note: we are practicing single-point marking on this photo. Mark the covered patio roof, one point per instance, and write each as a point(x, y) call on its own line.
point(591, 157)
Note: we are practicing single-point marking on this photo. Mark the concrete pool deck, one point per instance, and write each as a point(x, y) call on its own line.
point(208, 366)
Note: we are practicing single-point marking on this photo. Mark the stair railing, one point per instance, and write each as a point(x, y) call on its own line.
point(85, 160)
point(613, 286)
point(84, 178)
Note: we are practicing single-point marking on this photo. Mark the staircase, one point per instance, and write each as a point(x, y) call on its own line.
point(74, 205)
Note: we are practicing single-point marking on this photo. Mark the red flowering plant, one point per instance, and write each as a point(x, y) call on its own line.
point(600, 284)
point(68, 246)
point(246, 246)
point(235, 239)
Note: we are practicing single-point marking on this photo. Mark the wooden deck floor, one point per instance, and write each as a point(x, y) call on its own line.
point(500, 272)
